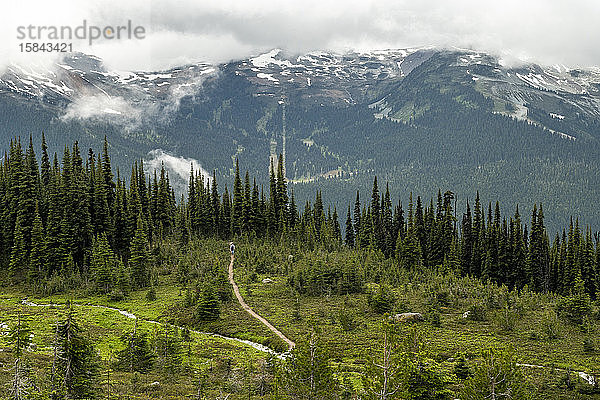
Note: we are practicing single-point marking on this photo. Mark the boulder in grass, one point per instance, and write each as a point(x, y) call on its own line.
point(267, 280)
point(407, 317)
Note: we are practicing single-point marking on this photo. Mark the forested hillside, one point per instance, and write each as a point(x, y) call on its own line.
point(421, 120)
point(68, 219)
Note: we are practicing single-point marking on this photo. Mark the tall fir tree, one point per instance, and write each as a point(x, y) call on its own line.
point(103, 264)
point(77, 367)
point(349, 230)
point(37, 256)
point(139, 258)
point(237, 212)
point(19, 258)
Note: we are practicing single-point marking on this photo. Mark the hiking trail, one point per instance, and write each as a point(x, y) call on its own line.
point(250, 311)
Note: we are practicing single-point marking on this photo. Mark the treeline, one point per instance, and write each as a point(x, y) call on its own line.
point(73, 219)
point(77, 219)
point(495, 247)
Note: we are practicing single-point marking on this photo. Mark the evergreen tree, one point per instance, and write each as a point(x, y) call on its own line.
point(588, 264)
point(466, 242)
point(19, 259)
point(282, 196)
point(193, 211)
point(45, 164)
point(399, 222)
point(578, 305)
point(102, 219)
point(122, 282)
point(29, 190)
point(225, 215)
point(165, 205)
point(139, 257)
point(215, 205)
point(237, 212)
point(37, 263)
point(293, 212)
point(496, 377)
point(208, 308)
point(247, 210)
point(389, 236)
point(337, 232)
point(539, 252)
point(103, 264)
point(349, 230)
point(318, 213)
point(519, 252)
point(408, 248)
point(55, 254)
point(478, 235)
point(169, 349)
point(108, 182)
point(77, 367)
point(137, 355)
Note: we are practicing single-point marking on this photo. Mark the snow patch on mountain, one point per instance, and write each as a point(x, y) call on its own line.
point(269, 77)
point(84, 89)
point(267, 59)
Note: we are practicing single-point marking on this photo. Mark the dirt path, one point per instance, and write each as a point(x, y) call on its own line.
point(246, 307)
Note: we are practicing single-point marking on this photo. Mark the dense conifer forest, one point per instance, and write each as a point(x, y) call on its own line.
point(77, 220)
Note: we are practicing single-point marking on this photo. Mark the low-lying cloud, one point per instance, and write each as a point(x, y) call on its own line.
point(178, 168)
point(142, 108)
point(102, 107)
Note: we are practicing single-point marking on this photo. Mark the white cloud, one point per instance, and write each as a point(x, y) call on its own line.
point(177, 167)
point(102, 107)
point(131, 112)
point(548, 31)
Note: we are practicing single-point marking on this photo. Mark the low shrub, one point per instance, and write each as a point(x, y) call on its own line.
point(477, 312)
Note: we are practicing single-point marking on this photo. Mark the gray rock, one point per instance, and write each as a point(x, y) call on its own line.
point(407, 317)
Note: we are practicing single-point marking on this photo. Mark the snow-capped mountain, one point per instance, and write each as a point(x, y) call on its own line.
point(348, 78)
point(339, 78)
point(79, 75)
point(351, 78)
point(345, 78)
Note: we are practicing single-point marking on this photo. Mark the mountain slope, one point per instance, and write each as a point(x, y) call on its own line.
point(418, 118)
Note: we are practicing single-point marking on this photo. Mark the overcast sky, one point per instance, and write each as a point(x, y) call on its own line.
point(178, 32)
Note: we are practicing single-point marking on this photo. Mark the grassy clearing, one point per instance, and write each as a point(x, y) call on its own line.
point(530, 325)
point(104, 327)
point(347, 324)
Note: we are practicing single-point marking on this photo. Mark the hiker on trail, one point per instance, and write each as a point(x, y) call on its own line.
point(231, 248)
